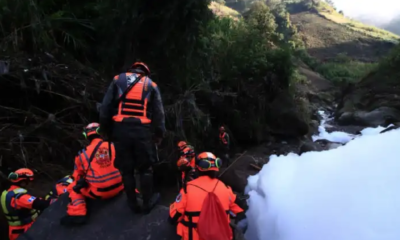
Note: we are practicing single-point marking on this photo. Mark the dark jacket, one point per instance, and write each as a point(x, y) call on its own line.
point(109, 107)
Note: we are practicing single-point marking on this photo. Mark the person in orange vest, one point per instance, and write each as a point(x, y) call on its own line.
point(132, 114)
point(94, 176)
point(60, 187)
point(20, 208)
point(187, 208)
point(186, 164)
point(224, 143)
point(182, 145)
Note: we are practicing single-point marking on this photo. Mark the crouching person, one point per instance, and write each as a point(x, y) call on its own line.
point(60, 187)
point(20, 208)
point(95, 176)
point(202, 211)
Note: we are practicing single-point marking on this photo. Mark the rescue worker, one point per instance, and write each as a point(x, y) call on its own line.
point(133, 104)
point(186, 164)
point(182, 145)
point(185, 211)
point(60, 187)
point(224, 143)
point(94, 175)
point(20, 207)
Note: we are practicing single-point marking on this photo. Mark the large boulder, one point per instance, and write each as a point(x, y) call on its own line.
point(375, 100)
point(381, 116)
point(107, 220)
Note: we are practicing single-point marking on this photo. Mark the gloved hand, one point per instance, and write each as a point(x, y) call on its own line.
point(242, 225)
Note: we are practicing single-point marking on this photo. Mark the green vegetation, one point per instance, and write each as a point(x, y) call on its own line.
point(341, 69)
point(348, 71)
point(232, 70)
point(212, 69)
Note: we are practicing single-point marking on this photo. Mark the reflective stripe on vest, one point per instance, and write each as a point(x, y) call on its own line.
point(135, 103)
point(222, 138)
point(16, 217)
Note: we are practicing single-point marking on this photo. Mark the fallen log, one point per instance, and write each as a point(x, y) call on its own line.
point(255, 166)
point(109, 219)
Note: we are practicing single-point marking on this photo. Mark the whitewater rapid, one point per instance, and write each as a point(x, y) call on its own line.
point(348, 193)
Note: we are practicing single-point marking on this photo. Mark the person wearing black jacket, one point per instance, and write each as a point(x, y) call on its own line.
point(132, 115)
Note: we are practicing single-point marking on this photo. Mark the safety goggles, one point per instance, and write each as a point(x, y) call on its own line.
point(15, 176)
point(209, 163)
point(87, 132)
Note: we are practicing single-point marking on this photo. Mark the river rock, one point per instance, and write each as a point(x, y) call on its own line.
point(307, 147)
point(396, 126)
point(107, 220)
point(381, 116)
point(328, 145)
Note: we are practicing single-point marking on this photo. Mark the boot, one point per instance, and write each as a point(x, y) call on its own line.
point(150, 199)
point(153, 201)
point(130, 186)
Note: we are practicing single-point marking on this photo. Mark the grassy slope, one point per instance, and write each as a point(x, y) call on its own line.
point(329, 13)
point(328, 36)
point(327, 33)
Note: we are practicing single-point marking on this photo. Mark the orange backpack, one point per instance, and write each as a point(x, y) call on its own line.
point(213, 223)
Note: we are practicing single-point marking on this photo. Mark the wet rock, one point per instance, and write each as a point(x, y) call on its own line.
point(107, 220)
point(390, 128)
point(307, 147)
point(381, 116)
point(236, 176)
point(314, 124)
point(328, 145)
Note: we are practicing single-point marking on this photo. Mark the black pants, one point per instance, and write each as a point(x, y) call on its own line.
point(223, 154)
point(134, 150)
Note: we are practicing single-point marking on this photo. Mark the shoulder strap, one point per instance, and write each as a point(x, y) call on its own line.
point(204, 189)
point(92, 156)
point(122, 97)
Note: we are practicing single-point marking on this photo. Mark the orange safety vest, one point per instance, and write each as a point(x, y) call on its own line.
point(135, 103)
point(102, 176)
point(195, 198)
point(222, 138)
point(19, 220)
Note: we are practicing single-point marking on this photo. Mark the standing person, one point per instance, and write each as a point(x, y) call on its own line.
point(224, 143)
point(20, 208)
point(186, 165)
point(132, 107)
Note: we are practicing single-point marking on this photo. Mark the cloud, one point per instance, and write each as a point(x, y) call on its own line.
point(370, 11)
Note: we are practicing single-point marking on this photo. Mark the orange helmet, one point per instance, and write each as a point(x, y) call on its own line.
point(90, 129)
point(181, 145)
point(142, 66)
point(207, 161)
point(188, 151)
point(21, 175)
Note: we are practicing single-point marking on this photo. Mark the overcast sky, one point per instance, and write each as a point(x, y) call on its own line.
point(379, 11)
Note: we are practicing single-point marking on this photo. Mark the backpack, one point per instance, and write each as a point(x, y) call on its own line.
point(213, 224)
